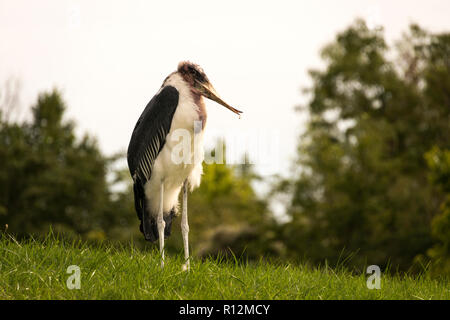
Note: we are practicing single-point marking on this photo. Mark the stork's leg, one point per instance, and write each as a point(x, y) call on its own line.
point(161, 224)
point(185, 228)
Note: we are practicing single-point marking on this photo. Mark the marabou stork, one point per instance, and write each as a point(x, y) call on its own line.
point(157, 178)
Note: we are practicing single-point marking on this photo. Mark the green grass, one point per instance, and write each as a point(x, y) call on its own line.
point(37, 270)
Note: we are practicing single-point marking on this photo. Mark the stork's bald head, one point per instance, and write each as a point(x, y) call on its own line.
point(194, 75)
point(192, 72)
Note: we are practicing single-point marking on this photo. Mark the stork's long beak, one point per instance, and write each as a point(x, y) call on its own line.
point(207, 90)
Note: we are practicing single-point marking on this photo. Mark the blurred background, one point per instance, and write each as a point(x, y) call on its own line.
point(356, 95)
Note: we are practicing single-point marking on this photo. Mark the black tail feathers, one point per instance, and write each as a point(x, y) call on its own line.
point(148, 223)
point(149, 226)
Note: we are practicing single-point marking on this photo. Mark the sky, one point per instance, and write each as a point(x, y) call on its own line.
point(109, 58)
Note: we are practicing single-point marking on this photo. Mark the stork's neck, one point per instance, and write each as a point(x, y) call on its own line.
point(187, 93)
point(200, 103)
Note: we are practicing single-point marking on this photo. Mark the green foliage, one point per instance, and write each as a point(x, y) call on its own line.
point(439, 163)
point(362, 184)
point(48, 177)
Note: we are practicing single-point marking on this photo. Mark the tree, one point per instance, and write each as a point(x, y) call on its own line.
point(439, 163)
point(50, 178)
point(362, 180)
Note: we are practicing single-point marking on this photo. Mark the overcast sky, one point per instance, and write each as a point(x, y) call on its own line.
point(110, 57)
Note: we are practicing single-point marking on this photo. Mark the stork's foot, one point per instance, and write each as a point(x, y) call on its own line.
point(186, 266)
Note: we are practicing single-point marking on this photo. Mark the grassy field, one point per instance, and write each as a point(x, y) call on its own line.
point(38, 270)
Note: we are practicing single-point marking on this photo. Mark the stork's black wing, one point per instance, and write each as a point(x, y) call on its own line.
point(147, 141)
point(150, 133)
